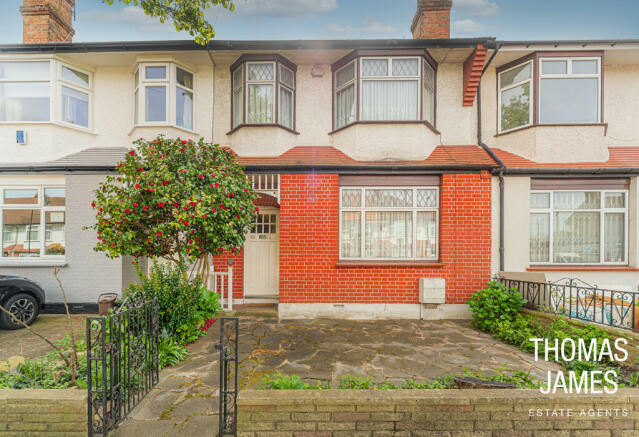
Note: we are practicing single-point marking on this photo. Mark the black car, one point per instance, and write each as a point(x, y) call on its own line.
point(21, 297)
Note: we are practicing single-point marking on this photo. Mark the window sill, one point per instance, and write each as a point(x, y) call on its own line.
point(33, 263)
point(530, 126)
point(238, 127)
point(429, 264)
point(581, 268)
point(427, 124)
point(163, 125)
point(51, 123)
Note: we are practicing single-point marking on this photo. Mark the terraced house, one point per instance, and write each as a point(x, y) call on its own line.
point(395, 176)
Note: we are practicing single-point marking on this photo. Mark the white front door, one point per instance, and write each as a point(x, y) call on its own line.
point(262, 256)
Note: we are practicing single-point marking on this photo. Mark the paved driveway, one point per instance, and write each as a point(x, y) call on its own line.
point(185, 401)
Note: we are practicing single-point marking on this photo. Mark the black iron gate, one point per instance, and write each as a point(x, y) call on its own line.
point(122, 362)
point(228, 347)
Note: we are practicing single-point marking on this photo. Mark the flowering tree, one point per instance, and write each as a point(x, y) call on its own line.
point(174, 199)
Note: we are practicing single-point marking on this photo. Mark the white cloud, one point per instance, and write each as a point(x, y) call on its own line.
point(368, 27)
point(475, 8)
point(283, 8)
point(130, 15)
point(468, 27)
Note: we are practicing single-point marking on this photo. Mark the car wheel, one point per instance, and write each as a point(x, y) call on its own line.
point(23, 306)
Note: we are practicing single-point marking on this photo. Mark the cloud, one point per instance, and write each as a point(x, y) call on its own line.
point(368, 26)
point(469, 27)
point(475, 8)
point(283, 8)
point(130, 15)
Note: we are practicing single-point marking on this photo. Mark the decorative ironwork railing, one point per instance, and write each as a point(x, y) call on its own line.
point(122, 362)
point(228, 347)
point(581, 301)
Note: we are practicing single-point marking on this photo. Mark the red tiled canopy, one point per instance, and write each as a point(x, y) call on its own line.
point(620, 157)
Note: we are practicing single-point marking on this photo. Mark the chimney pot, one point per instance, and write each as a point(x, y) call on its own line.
point(45, 21)
point(432, 19)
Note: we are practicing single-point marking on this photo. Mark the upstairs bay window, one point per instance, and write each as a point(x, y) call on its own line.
point(44, 91)
point(384, 89)
point(163, 95)
point(263, 91)
point(550, 89)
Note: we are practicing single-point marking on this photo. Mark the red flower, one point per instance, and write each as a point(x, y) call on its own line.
point(201, 176)
point(92, 204)
point(127, 210)
point(132, 153)
point(246, 190)
point(137, 185)
point(257, 209)
point(204, 215)
point(159, 234)
point(139, 168)
point(192, 204)
point(186, 222)
point(144, 208)
point(217, 185)
point(238, 216)
point(175, 204)
point(213, 209)
point(183, 142)
point(161, 204)
point(212, 175)
point(135, 204)
point(182, 150)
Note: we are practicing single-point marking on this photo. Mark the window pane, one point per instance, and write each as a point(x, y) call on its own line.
point(238, 105)
point(389, 100)
point(516, 75)
point(20, 196)
point(136, 106)
point(137, 77)
point(427, 198)
point(554, 67)
point(184, 78)
point(24, 70)
point(21, 233)
point(27, 101)
point(429, 74)
point(539, 238)
point(184, 108)
point(260, 104)
point(389, 234)
point(515, 107)
point(286, 108)
point(345, 75)
point(577, 200)
point(429, 104)
point(75, 76)
point(260, 72)
point(615, 200)
point(540, 200)
point(389, 198)
point(576, 237)
point(155, 72)
point(574, 100)
point(426, 228)
point(155, 103)
point(351, 198)
point(237, 78)
point(405, 67)
point(54, 233)
point(287, 77)
point(75, 107)
point(614, 237)
point(374, 67)
point(585, 67)
point(351, 238)
point(345, 106)
point(54, 196)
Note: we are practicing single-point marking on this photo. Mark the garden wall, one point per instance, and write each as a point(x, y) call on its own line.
point(43, 412)
point(471, 413)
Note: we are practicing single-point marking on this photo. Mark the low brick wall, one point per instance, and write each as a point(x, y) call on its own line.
point(462, 413)
point(51, 413)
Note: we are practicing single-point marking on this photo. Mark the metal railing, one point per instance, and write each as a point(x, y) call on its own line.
point(222, 283)
point(579, 300)
point(122, 362)
point(228, 347)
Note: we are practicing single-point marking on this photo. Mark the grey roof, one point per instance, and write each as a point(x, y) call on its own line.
point(93, 159)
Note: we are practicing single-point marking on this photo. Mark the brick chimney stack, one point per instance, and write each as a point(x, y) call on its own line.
point(45, 21)
point(432, 19)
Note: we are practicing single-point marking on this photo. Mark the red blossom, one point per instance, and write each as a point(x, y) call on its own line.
point(182, 150)
point(132, 153)
point(139, 168)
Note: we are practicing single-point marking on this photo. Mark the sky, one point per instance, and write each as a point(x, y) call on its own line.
point(346, 19)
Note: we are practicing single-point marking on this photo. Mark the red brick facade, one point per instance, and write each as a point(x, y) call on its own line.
point(309, 240)
point(47, 21)
point(432, 19)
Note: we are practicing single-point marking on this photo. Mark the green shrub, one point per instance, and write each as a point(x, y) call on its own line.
point(171, 353)
point(494, 304)
point(356, 382)
point(293, 382)
point(517, 332)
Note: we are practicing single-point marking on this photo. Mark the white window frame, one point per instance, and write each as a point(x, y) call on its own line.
point(419, 78)
point(602, 210)
point(87, 90)
point(240, 121)
point(287, 87)
point(362, 209)
point(531, 104)
point(184, 88)
point(570, 75)
point(342, 87)
point(42, 231)
point(170, 82)
point(273, 84)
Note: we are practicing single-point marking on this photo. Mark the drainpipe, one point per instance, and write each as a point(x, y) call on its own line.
point(502, 166)
point(213, 65)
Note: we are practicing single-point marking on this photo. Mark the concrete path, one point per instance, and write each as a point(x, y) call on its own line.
point(185, 401)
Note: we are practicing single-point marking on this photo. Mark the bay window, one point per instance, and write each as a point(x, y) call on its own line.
point(389, 223)
point(163, 95)
point(32, 221)
point(579, 227)
point(263, 91)
point(569, 91)
point(44, 91)
point(384, 89)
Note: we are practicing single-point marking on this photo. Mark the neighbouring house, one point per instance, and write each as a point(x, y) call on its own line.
point(384, 167)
